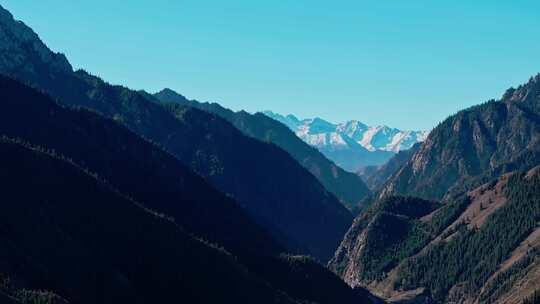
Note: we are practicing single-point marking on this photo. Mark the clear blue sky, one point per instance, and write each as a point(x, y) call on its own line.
point(408, 64)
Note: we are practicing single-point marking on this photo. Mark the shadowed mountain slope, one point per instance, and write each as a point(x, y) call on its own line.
point(133, 165)
point(159, 182)
point(274, 189)
point(65, 231)
point(347, 187)
point(376, 176)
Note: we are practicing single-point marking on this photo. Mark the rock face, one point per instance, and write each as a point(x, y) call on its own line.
point(13, 35)
point(480, 244)
point(351, 144)
point(476, 144)
point(369, 249)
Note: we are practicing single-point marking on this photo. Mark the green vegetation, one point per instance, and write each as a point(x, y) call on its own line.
point(472, 256)
point(394, 232)
point(398, 233)
point(471, 148)
point(505, 280)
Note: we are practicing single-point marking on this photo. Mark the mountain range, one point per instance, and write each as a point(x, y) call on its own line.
point(292, 207)
point(352, 144)
point(459, 219)
point(346, 186)
point(112, 195)
point(49, 138)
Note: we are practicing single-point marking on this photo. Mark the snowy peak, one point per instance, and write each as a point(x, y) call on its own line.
point(390, 139)
point(352, 144)
point(317, 126)
point(319, 132)
point(353, 129)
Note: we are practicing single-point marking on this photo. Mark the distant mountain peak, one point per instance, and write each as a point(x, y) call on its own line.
point(168, 91)
point(171, 96)
point(380, 137)
point(351, 144)
point(291, 116)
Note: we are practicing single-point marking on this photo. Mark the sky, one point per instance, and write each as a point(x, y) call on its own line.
point(406, 64)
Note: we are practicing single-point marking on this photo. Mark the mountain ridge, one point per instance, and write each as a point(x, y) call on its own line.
point(352, 144)
point(361, 133)
point(153, 181)
point(200, 140)
point(480, 142)
point(481, 245)
point(347, 187)
point(46, 219)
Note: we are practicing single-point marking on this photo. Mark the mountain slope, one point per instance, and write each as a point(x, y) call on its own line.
point(279, 193)
point(347, 187)
point(159, 182)
point(468, 250)
point(482, 244)
point(136, 167)
point(65, 231)
point(474, 145)
point(376, 176)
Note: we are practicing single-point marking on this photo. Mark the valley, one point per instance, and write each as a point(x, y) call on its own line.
point(118, 195)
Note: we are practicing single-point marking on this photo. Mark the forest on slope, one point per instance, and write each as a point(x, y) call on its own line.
point(346, 186)
point(480, 239)
point(276, 191)
point(51, 139)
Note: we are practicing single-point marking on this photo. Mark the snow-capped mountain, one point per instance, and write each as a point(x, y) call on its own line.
point(351, 144)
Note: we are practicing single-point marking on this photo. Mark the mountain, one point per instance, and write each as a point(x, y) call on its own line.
point(352, 144)
point(65, 231)
point(276, 191)
point(470, 250)
point(471, 234)
point(474, 145)
point(347, 187)
point(134, 166)
point(376, 176)
point(156, 181)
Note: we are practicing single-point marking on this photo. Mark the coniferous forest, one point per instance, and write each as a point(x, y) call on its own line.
point(112, 195)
